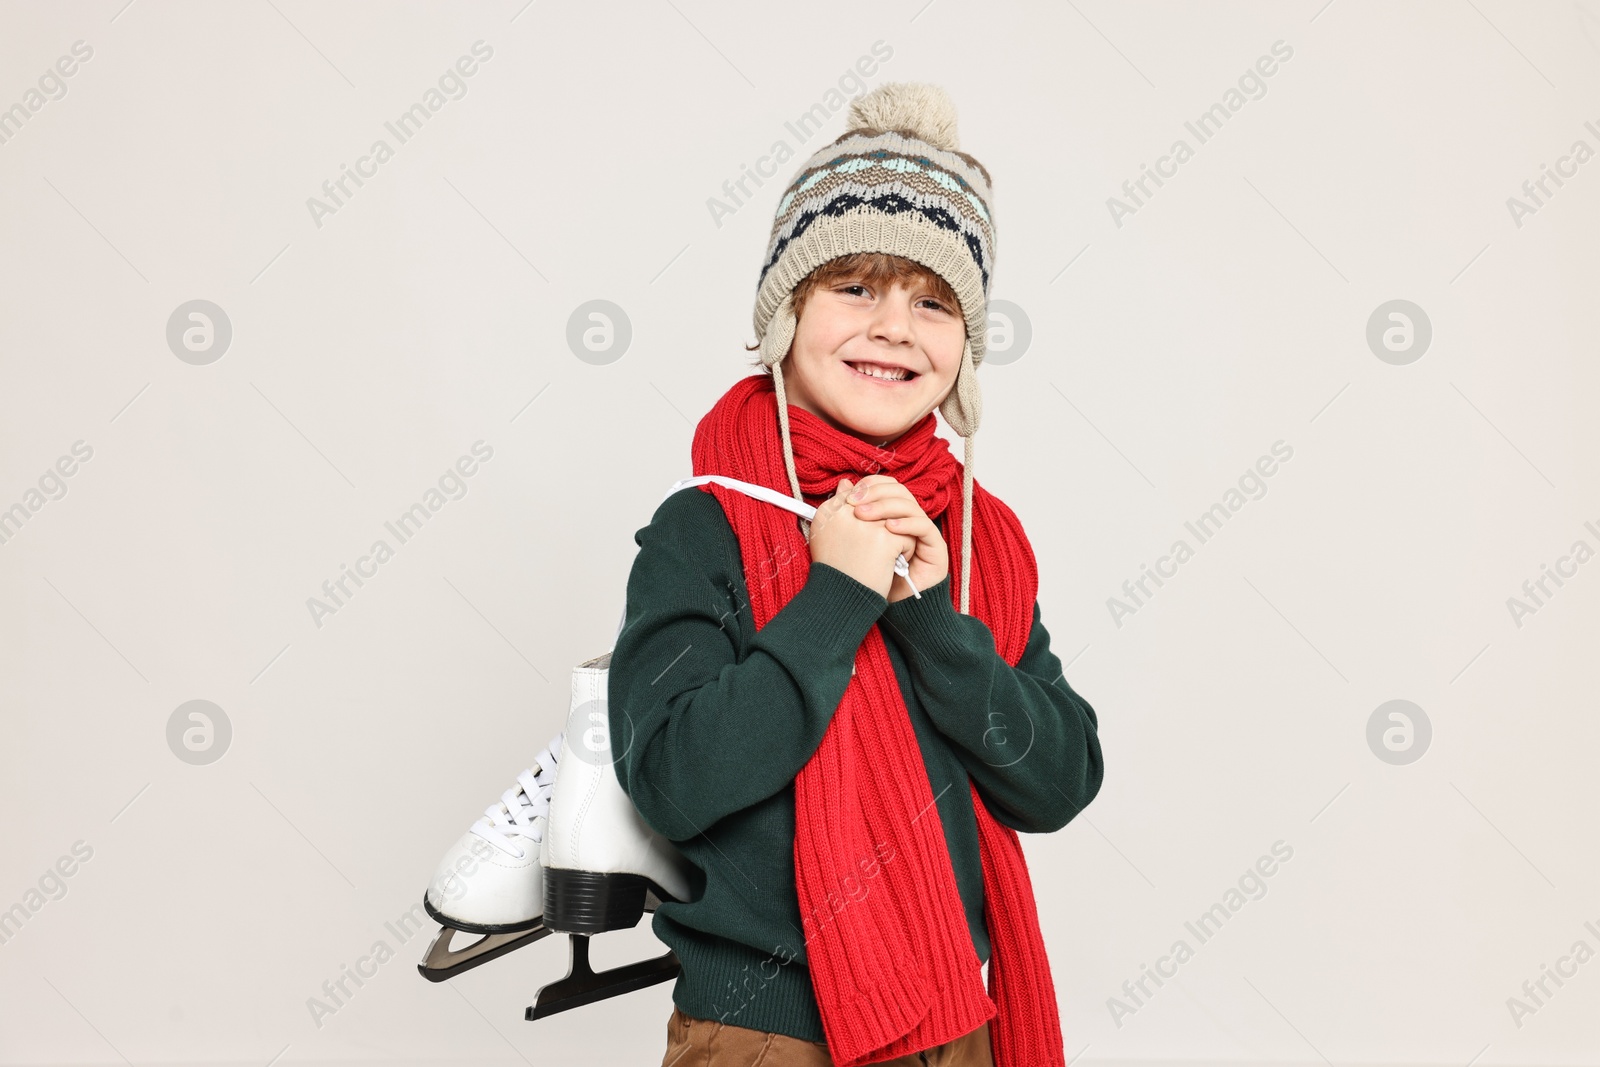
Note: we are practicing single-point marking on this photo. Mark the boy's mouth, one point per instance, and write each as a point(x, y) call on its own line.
point(882, 372)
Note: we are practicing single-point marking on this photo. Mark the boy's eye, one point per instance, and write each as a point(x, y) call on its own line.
point(856, 288)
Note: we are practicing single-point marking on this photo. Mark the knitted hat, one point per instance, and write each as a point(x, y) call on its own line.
point(894, 182)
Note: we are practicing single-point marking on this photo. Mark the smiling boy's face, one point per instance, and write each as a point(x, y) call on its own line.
point(848, 323)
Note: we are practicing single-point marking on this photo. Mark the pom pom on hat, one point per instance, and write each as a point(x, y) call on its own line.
point(922, 110)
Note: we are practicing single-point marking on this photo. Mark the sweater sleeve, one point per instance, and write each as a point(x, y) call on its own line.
point(1029, 742)
point(697, 733)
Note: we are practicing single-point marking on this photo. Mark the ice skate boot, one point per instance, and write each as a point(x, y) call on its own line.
point(603, 866)
point(490, 882)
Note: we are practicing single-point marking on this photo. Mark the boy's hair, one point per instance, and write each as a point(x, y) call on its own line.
point(875, 269)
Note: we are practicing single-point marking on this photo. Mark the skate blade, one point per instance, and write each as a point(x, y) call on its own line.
point(583, 985)
point(442, 963)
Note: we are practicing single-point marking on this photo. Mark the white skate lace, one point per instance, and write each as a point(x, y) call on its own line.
point(514, 813)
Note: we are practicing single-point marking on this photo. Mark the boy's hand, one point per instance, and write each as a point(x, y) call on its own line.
point(880, 497)
point(865, 549)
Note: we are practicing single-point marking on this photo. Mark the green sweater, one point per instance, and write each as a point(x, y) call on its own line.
point(712, 720)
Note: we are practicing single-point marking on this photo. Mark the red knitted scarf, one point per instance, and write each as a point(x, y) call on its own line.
point(893, 967)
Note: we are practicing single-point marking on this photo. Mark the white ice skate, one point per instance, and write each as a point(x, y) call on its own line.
point(603, 866)
point(565, 849)
point(490, 882)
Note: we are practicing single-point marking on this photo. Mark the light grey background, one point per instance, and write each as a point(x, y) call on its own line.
point(1167, 355)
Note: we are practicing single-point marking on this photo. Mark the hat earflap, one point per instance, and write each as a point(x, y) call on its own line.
point(780, 333)
point(963, 408)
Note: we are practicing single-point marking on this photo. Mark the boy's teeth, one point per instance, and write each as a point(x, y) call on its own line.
point(880, 372)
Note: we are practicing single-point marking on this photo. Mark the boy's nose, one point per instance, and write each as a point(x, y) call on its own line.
point(892, 324)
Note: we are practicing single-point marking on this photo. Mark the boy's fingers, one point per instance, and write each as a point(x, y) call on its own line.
point(914, 525)
point(886, 506)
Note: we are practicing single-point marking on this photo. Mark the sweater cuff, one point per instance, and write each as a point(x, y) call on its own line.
point(832, 611)
point(931, 624)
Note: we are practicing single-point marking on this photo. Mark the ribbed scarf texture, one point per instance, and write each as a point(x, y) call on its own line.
point(894, 969)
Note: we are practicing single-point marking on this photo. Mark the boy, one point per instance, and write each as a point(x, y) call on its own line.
point(844, 756)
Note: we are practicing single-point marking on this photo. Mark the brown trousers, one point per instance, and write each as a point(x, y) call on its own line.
point(693, 1042)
